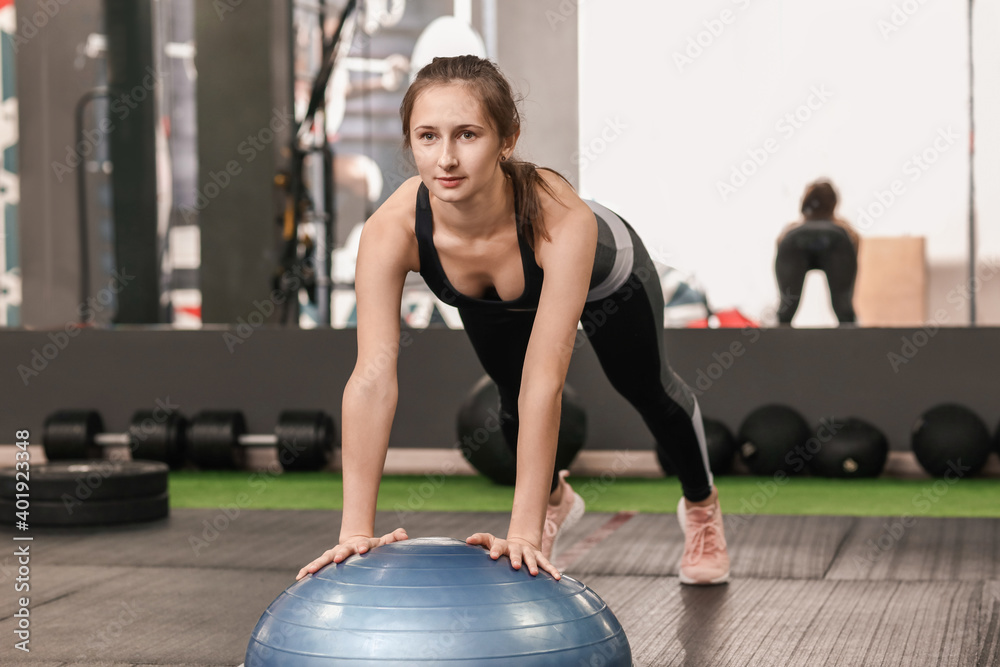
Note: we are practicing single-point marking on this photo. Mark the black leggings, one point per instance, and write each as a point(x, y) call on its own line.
point(626, 332)
point(827, 248)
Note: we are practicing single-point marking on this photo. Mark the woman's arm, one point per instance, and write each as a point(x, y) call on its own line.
point(370, 395)
point(369, 402)
point(568, 260)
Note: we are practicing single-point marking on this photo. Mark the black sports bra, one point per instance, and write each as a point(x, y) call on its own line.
point(433, 273)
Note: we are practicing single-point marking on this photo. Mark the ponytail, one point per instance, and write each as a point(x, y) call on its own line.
point(524, 177)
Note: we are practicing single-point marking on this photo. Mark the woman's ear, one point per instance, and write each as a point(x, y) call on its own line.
point(508, 144)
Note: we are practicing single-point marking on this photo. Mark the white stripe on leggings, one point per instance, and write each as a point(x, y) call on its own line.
point(699, 429)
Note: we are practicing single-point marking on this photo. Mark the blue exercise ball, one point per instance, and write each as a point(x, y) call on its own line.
point(429, 601)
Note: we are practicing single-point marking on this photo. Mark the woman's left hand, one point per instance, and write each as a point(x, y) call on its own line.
point(518, 549)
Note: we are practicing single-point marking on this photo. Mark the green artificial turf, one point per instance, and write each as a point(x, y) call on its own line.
point(743, 495)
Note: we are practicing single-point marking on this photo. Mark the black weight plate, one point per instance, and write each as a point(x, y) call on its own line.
point(155, 437)
point(305, 440)
point(89, 512)
point(98, 479)
point(213, 439)
point(69, 434)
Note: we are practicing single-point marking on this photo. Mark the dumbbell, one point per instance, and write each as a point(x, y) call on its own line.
point(79, 434)
point(218, 439)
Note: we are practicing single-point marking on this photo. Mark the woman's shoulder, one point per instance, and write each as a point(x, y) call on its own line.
point(555, 182)
point(397, 213)
point(567, 230)
point(391, 226)
point(401, 206)
point(557, 197)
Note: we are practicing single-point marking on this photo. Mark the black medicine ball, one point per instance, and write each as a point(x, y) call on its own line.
point(482, 441)
point(768, 439)
point(848, 448)
point(951, 437)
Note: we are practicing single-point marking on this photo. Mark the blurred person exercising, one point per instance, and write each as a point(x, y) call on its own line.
point(821, 241)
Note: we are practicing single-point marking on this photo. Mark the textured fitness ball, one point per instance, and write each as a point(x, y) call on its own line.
point(847, 448)
point(436, 601)
point(721, 449)
point(770, 439)
point(951, 437)
point(482, 441)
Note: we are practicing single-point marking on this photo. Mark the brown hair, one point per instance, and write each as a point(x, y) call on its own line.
point(493, 90)
point(819, 202)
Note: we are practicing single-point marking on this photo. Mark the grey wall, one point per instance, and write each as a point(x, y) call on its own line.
point(539, 56)
point(821, 372)
point(52, 74)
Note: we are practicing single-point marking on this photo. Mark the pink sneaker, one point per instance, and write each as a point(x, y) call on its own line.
point(562, 516)
point(705, 560)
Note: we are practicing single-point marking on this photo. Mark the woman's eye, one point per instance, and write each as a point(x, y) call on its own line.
point(426, 136)
point(468, 135)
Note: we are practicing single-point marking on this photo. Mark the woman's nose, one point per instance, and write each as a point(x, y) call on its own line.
point(447, 158)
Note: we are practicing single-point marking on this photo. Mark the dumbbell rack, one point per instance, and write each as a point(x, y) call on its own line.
point(212, 440)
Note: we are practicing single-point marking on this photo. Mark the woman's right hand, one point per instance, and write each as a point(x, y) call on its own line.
point(355, 544)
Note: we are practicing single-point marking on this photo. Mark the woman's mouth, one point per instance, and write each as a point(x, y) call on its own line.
point(450, 181)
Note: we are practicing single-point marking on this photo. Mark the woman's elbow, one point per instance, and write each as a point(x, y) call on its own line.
point(381, 387)
point(540, 392)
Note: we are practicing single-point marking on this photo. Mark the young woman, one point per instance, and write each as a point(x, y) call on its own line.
point(522, 257)
point(823, 241)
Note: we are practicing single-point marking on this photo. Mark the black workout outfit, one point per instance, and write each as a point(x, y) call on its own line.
point(623, 319)
point(816, 244)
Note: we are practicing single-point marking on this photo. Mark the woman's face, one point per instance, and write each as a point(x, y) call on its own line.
point(454, 145)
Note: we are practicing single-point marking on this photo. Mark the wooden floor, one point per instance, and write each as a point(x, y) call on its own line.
point(805, 591)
